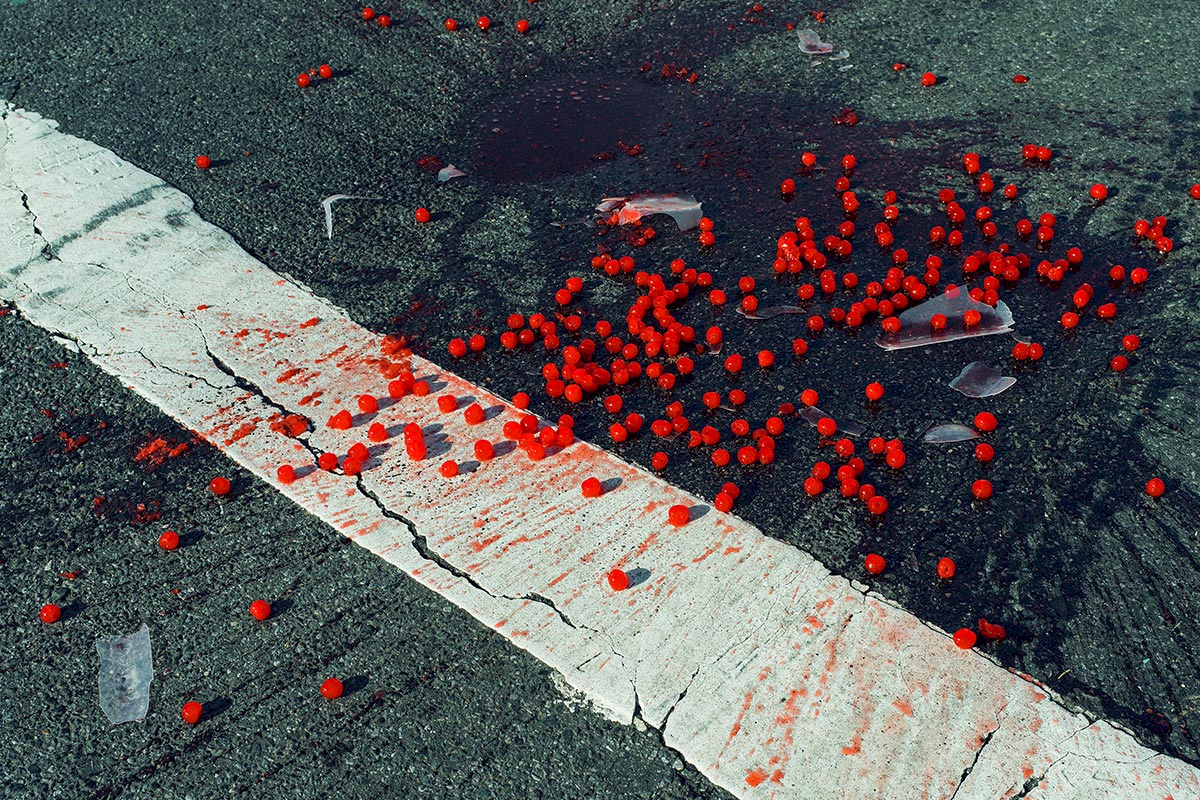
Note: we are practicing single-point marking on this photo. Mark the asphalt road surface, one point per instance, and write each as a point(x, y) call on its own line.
point(1094, 581)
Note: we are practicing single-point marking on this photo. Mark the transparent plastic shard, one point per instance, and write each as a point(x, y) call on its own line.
point(812, 415)
point(811, 44)
point(948, 433)
point(126, 669)
point(769, 311)
point(916, 330)
point(684, 209)
point(449, 172)
point(977, 379)
point(328, 204)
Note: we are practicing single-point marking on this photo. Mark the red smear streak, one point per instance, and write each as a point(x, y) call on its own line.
point(47, 413)
point(201, 307)
point(71, 575)
point(156, 452)
point(737, 725)
point(478, 546)
point(292, 425)
point(430, 163)
point(72, 442)
point(310, 323)
point(143, 513)
point(59, 365)
point(4, 312)
point(244, 430)
point(287, 376)
point(755, 776)
point(330, 355)
point(308, 399)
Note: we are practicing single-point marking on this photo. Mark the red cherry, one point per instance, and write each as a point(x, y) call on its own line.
point(331, 689)
point(618, 580)
point(985, 422)
point(260, 610)
point(945, 568)
point(191, 712)
point(169, 540)
point(965, 638)
point(50, 613)
point(874, 564)
point(1155, 487)
point(219, 486)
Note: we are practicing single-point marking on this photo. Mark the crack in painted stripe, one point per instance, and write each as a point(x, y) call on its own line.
point(771, 675)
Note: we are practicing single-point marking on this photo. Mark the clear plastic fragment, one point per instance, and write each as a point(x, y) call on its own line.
point(948, 433)
point(977, 379)
point(328, 204)
point(126, 669)
point(812, 415)
point(450, 171)
point(916, 330)
point(811, 44)
point(769, 311)
point(684, 209)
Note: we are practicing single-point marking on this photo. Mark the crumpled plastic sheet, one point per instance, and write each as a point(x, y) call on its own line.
point(328, 204)
point(916, 331)
point(126, 669)
point(811, 44)
point(769, 311)
point(978, 379)
point(684, 209)
point(948, 433)
point(812, 415)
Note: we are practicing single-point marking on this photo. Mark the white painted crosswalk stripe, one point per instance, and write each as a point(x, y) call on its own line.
point(774, 677)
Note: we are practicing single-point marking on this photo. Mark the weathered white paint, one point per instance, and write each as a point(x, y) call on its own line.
point(774, 677)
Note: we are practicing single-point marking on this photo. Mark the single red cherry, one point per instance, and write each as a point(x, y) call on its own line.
point(260, 610)
point(191, 712)
point(618, 579)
